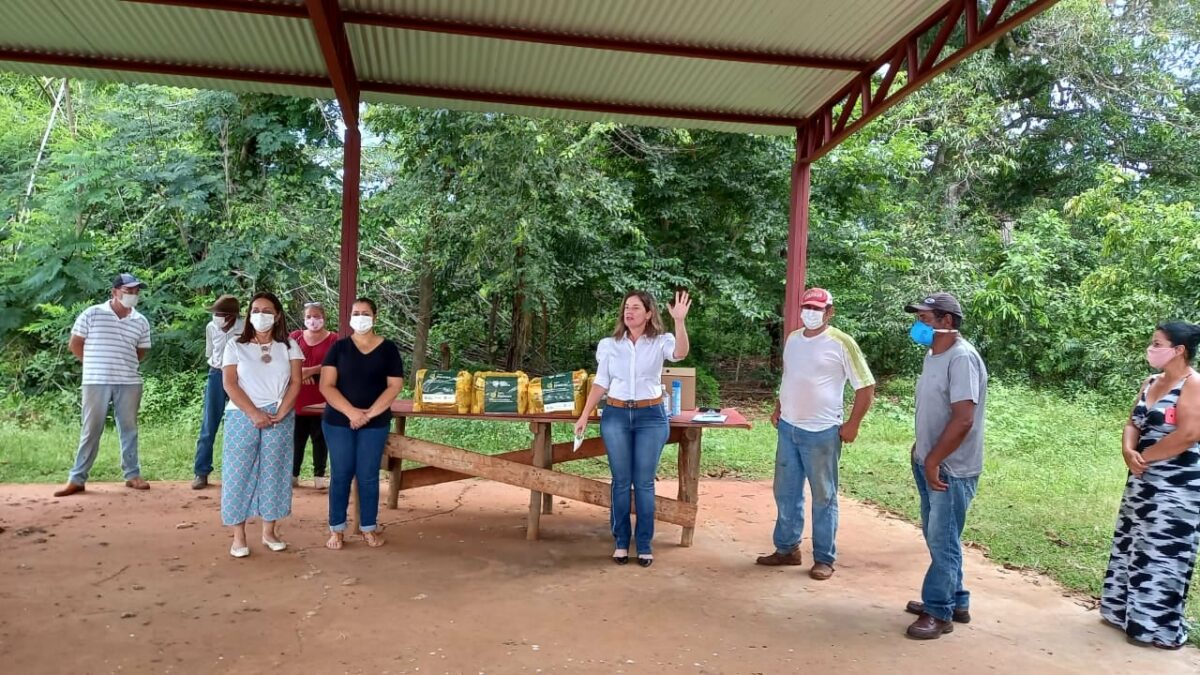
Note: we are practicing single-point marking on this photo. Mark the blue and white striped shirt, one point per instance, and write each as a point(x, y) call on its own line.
point(110, 344)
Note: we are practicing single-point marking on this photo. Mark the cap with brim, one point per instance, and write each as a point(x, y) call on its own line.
point(936, 302)
point(226, 304)
point(127, 280)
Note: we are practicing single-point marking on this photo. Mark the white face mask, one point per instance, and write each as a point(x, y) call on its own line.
point(812, 318)
point(314, 323)
point(262, 321)
point(129, 300)
point(218, 321)
point(361, 324)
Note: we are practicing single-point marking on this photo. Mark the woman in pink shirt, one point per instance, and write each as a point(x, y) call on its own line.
point(315, 341)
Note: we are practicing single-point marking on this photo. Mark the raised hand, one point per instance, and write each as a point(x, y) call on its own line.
point(683, 302)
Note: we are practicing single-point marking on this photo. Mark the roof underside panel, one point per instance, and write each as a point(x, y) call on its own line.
point(476, 64)
point(857, 29)
point(444, 69)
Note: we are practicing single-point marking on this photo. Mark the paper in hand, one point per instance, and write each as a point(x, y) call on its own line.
point(578, 442)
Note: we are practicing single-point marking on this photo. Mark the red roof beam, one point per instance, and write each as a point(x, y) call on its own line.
point(993, 27)
point(326, 19)
point(521, 34)
point(321, 82)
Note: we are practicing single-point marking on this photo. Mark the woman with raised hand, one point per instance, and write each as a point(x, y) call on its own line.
point(635, 423)
point(262, 379)
point(360, 378)
point(1158, 525)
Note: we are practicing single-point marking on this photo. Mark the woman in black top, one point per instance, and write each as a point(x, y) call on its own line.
point(360, 377)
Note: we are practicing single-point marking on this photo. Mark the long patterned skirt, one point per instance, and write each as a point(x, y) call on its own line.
point(256, 469)
point(1154, 555)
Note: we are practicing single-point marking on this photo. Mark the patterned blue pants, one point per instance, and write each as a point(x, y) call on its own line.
point(256, 469)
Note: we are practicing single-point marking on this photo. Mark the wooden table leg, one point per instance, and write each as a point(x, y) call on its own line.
point(547, 463)
point(395, 467)
point(541, 448)
point(689, 477)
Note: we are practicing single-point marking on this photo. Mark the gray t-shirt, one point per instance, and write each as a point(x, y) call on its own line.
point(957, 374)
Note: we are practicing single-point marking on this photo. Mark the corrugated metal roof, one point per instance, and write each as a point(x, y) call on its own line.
point(510, 75)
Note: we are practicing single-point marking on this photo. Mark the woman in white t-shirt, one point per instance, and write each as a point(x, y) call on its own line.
point(635, 425)
point(262, 378)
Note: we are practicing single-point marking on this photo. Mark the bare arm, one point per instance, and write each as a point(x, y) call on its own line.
point(229, 378)
point(394, 386)
point(1129, 438)
point(333, 397)
point(76, 347)
point(593, 398)
point(863, 398)
point(962, 418)
point(141, 353)
point(289, 396)
point(682, 344)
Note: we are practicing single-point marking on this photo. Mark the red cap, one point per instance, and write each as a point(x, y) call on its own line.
point(816, 297)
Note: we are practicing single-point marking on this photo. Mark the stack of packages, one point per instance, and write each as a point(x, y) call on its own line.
point(442, 391)
point(562, 393)
point(500, 393)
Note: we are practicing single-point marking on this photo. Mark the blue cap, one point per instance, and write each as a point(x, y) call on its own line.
point(127, 280)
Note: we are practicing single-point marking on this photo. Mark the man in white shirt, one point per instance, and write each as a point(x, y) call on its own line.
point(111, 339)
point(818, 361)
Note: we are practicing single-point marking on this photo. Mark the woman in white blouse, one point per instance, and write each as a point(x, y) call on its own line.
point(262, 377)
point(634, 426)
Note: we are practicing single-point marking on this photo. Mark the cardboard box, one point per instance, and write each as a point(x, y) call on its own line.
point(687, 378)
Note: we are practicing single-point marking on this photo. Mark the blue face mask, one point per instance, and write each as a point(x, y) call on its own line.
point(921, 333)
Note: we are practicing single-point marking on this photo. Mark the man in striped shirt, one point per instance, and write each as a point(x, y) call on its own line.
point(111, 339)
point(818, 361)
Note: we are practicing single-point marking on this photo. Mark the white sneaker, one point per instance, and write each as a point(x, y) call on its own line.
point(320, 482)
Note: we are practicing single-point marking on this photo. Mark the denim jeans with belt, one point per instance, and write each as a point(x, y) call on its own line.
point(813, 456)
point(943, 515)
point(125, 399)
point(634, 439)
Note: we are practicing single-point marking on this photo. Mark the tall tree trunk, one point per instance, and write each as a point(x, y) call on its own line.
point(493, 317)
point(519, 334)
point(424, 308)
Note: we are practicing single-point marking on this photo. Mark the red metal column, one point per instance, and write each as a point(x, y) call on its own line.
point(326, 16)
point(348, 260)
point(797, 249)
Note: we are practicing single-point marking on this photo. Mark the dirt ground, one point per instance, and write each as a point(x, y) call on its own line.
point(131, 582)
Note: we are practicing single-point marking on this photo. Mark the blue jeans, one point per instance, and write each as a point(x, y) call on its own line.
point(811, 455)
point(214, 411)
point(354, 454)
point(634, 439)
point(125, 399)
point(943, 515)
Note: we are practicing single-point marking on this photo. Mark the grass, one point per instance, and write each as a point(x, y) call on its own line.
point(1047, 500)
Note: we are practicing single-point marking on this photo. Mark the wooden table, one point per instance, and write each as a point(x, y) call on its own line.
point(533, 468)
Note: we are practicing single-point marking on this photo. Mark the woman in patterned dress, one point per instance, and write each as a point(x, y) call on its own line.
point(1158, 526)
point(262, 378)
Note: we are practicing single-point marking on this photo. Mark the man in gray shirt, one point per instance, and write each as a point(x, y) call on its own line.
point(947, 457)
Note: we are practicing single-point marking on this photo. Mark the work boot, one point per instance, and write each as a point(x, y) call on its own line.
point(776, 559)
point(929, 627)
point(199, 482)
point(961, 615)
point(69, 490)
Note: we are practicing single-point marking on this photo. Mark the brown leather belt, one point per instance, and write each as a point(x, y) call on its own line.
point(645, 403)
